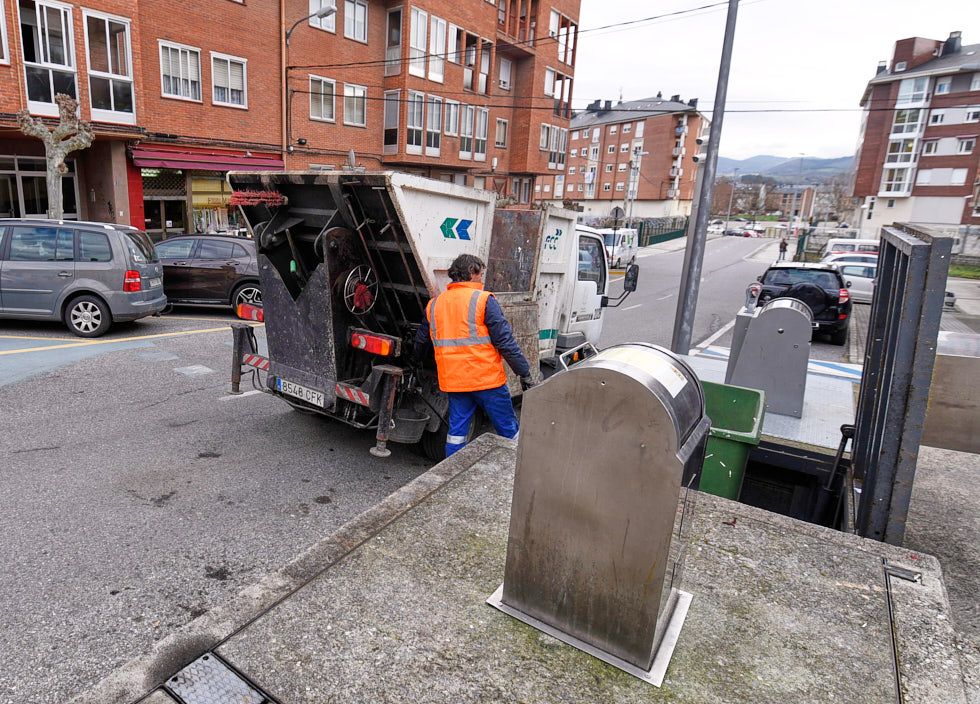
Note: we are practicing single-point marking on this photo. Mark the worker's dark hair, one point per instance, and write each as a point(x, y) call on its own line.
point(464, 266)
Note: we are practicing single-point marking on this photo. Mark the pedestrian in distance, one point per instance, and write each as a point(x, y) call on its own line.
point(471, 339)
point(783, 246)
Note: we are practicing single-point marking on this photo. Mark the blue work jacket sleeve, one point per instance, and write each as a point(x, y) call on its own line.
point(423, 340)
point(502, 338)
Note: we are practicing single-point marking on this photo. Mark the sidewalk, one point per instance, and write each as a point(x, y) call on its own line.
point(667, 247)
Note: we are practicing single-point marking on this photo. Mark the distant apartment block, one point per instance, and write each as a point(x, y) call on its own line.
point(917, 157)
point(637, 155)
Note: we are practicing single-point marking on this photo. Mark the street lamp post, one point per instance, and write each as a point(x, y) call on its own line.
point(731, 198)
point(323, 12)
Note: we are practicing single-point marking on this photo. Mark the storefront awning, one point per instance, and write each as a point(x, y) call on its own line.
point(149, 158)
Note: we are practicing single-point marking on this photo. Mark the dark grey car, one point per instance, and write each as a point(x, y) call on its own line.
point(86, 274)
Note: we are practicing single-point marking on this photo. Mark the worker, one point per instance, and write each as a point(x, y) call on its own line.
point(472, 338)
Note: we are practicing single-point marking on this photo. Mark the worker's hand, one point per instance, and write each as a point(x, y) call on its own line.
point(527, 382)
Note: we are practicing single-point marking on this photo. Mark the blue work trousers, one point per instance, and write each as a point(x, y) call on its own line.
point(495, 403)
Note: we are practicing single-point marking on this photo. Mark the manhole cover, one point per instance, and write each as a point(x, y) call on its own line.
point(207, 680)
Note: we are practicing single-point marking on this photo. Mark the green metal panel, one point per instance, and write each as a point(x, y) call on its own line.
point(736, 415)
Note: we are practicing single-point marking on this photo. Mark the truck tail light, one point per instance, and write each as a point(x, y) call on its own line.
point(844, 295)
point(375, 344)
point(132, 282)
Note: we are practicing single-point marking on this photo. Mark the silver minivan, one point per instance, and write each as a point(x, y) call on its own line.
point(87, 274)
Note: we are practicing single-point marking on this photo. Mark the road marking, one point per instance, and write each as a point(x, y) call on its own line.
point(92, 343)
point(204, 320)
point(632, 307)
point(705, 343)
point(620, 278)
point(29, 337)
point(231, 397)
point(664, 298)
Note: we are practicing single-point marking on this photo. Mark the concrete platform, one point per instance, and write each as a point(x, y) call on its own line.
point(391, 609)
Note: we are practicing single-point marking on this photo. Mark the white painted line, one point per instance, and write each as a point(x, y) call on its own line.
point(632, 307)
point(230, 397)
point(705, 343)
point(664, 298)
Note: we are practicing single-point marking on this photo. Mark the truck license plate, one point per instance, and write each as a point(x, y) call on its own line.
point(303, 393)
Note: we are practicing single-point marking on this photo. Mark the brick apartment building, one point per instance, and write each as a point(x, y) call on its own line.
point(637, 154)
point(477, 92)
point(918, 154)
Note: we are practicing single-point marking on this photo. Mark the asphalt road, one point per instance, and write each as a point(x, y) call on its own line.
point(137, 494)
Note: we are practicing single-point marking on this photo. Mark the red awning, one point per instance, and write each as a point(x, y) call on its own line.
point(150, 158)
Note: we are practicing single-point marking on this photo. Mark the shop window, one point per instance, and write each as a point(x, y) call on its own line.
point(356, 20)
point(180, 71)
point(322, 92)
point(355, 105)
point(229, 79)
point(110, 73)
point(327, 24)
point(49, 54)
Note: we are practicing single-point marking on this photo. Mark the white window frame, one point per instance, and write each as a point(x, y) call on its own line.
point(975, 82)
point(496, 134)
point(606, 187)
point(544, 141)
point(612, 129)
point(467, 126)
point(628, 127)
point(550, 75)
point(575, 152)
point(571, 170)
point(575, 134)
point(624, 148)
point(930, 146)
point(418, 41)
point(229, 59)
point(901, 66)
point(437, 49)
point(962, 141)
point(451, 110)
point(354, 87)
point(906, 127)
point(972, 115)
point(608, 168)
point(348, 4)
point(481, 132)
point(505, 84)
point(333, 100)
point(392, 105)
point(415, 122)
point(554, 22)
point(453, 54)
point(941, 114)
point(51, 109)
point(163, 43)
point(325, 24)
point(393, 53)
point(945, 82)
point(621, 167)
point(430, 102)
point(611, 149)
point(4, 46)
point(639, 129)
point(98, 114)
point(620, 186)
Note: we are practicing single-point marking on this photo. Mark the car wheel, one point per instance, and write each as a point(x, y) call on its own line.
point(839, 337)
point(250, 294)
point(88, 316)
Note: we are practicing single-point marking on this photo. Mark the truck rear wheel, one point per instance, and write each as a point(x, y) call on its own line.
point(433, 444)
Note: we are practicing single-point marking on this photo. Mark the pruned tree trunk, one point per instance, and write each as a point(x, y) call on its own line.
point(70, 134)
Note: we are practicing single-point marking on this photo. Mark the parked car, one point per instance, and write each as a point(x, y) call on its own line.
point(210, 270)
point(856, 258)
point(86, 274)
point(820, 286)
point(838, 245)
point(859, 280)
point(621, 245)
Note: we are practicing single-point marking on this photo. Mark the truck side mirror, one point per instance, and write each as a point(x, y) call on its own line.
point(632, 276)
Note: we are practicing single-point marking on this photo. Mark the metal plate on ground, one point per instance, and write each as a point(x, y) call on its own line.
point(207, 680)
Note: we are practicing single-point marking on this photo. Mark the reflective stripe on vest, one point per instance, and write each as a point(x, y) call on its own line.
point(474, 337)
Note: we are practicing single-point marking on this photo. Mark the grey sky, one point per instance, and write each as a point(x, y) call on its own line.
point(789, 54)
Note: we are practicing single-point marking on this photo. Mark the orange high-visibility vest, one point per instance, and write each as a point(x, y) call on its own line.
point(465, 357)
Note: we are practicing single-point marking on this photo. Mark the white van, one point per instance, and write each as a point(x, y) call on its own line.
point(621, 246)
point(838, 245)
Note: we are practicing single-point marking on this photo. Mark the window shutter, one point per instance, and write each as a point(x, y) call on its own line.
point(166, 66)
point(194, 64)
point(237, 78)
point(219, 68)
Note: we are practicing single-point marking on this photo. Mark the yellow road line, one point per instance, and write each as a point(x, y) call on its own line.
point(91, 343)
point(206, 320)
point(30, 337)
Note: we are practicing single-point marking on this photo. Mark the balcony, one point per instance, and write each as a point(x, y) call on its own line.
point(680, 130)
point(673, 193)
point(676, 172)
point(678, 151)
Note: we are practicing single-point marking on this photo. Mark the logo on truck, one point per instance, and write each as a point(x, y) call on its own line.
point(551, 241)
point(453, 228)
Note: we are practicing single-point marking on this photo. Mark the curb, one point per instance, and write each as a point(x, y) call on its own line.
point(139, 677)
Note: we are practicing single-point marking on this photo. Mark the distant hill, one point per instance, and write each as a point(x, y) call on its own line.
point(787, 169)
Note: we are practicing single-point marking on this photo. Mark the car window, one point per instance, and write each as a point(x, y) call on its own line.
point(591, 264)
point(855, 271)
point(175, 249)
point(41, 244)
point(240, 252)
point(216, 249)
point(789, 277)
point(867, 248)
point(141, 246)
point(93, 247)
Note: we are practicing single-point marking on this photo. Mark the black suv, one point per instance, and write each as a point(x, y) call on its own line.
point(210, 270)
point(820, 286)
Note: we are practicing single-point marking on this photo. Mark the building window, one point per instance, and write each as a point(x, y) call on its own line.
point(965, 146)
point(900, 151)
point(482, 126)
point(611, 149)
point(433, 125)
point(930, 147)
point(900, 66)
point(612, 129)
point(466, 132)
point(906, 121)
point(913, 90)
point(506, 70)
point(49, 54)
point(628, 127)
point(895, 180)
point(545, 140)
point(392, 106)
point(594, 153)
point(452, 118)
point(393, 43)
point(607, 187)
point(890, 203)
point(547, 188)
point(937, 117)
point(322, 91)
point(579, 188)
point(609, 168)
point(943, 85)
point(500, 139)
point(549, 81)
point(417, 42)
point(453, 51)
point(356, 20)
point(180, 69)
point(554, 22)
point(437, 50)
point(620, 186)
point(621, 167)
point(4, 52)
point(975, 83)
point(229, 81)
point(415, 122)
point(958, 177)
point(110, 80)
point(355, 105)
point(327, 24)
point(639, 129)
point(595, 134)
point(972, 115)
point(571, 170)
point(624, 148)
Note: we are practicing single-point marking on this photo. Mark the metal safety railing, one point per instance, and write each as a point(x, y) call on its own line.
point(898, 363)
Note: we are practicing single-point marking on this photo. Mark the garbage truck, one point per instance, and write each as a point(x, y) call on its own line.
point(349, 260)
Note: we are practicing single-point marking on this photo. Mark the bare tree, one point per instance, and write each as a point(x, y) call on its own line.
point(70, 134)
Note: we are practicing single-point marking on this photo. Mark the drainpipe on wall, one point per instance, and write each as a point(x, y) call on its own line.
point(283, 77)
